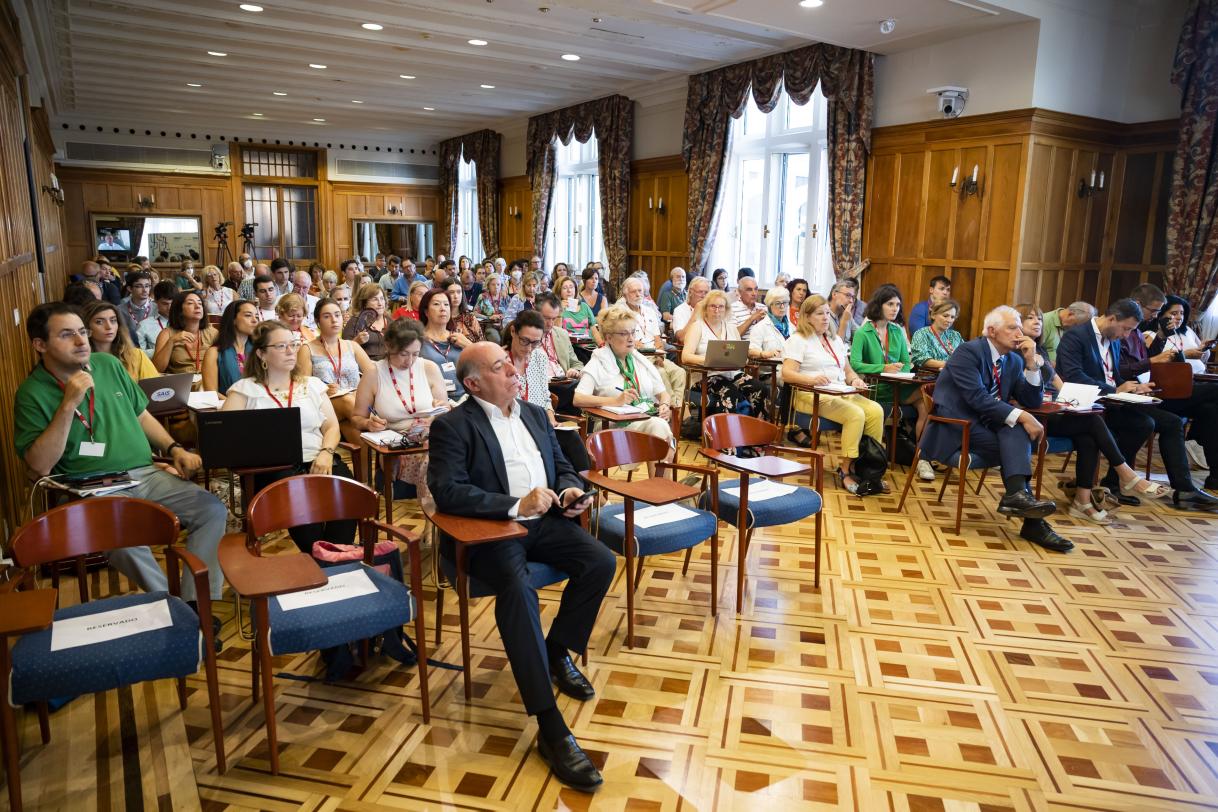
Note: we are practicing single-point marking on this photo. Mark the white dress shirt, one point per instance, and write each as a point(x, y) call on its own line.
point(740, 313)
point(521, 457)
point(1105, 353)
point(1032, 376)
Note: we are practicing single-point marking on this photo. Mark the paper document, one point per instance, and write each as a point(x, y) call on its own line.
point(567, 427)
point(428, 412)
point(203, 400)
point(657, 515)
point(338, 393)
point(105, 490)
point(622, 409)
point(1080, 396)
point(841, 388)
point(904, 376)
point(760, 491)
point(103, 626)
point(339, 588)
point(1130, 397)
point(384, 437)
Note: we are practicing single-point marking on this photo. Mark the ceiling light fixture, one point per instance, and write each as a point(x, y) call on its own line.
point(487, 87)
point(193, 84)
point(429, 108)
point(259, 115)
point(405, 76)
point(315, 66)
point(278, 93)
point(322, 120)
point(372, 26)
point(477, 42)
point(811, 3)
point(216, 53)
point(571, 57)
point(356, 101)
point(249, 7)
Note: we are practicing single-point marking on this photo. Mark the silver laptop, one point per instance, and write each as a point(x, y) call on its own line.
point(726, 354)
point(167, 393)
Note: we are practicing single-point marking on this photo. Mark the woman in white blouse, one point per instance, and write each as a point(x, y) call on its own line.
point(727, 390)
point(815, 355)
point(216, 297)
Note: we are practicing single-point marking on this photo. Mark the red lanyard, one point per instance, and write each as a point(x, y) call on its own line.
point(198, 350)
point(829, 347)
point(291, 386)
point(88, 424)
point(547, 344)
point(337, 365)
point(410, 381)
point(939, 338)
point(218, 298)
point(439, 351)
point(523, 375)
point(712, 330)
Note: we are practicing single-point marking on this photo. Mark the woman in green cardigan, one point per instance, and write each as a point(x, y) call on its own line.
point(880, 345)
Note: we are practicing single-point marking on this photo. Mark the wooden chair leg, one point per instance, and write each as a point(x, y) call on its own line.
point(44, 722)
point(255, 679)
point(439, 610)
point(1066, 464)
point(816, 550)
point(913, 468)
point(947, 477)
point(181, 681)
point(1150, 452)
point(213, 701)
point(268, 683)
point(715, 571)
point(981, 481)
point(689, 552)
point(631, 578)
point(1040, 461)
point(960, 492)
point(12, 759)
point(463, 610)
point(638, 572)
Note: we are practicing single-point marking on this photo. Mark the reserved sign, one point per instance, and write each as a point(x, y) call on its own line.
point(339, 588)
point(103, 626)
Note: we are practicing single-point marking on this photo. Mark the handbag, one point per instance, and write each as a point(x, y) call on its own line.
point(327, 553)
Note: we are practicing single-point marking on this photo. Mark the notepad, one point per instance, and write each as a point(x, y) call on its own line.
point(385, 437)
point(840, 388)
point(1131, 397)
point(338, 393)
point(621, 409)
point(203, 400)
point(102, 626)
point(760, 491)
point(904, 376)
point(1078, 396)
point(340, 587)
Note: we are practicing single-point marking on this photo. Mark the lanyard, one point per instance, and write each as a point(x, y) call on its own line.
point(524, 375)
point(448, 347)
point(712, 330)
point(91, 422)
point(198, 350)
point(291, 386)
point(939, 338)
point(218, 298)
point(338, 365)
point(1177, 343)
point(829, 347)
point(142, 310)
point(410, 381)
point(1106, 359)
point(547, 344)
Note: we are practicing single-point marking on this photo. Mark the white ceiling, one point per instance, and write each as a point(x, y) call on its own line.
point(127, 63)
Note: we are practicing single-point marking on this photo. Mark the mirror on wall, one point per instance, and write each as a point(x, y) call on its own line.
point(404, 239)
point(164, 240)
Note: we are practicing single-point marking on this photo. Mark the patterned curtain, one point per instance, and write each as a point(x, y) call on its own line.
point(480, 148)
point(845, 76)
point(1192, 224)
point(612, 119)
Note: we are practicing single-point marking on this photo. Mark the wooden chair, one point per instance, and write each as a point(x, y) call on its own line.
point(301, 500)
point(816, 423)
point(722, 432)
point(1174, 381)
point(616, 525)
point(34, 673)
point(961, 461)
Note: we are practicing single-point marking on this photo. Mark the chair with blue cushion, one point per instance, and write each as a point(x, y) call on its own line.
point(34, 672)
point(616, 523)
point(723, 432)
point(307, 499)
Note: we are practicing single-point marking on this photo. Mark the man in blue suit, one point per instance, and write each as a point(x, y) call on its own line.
point(980, 379)
point(1090, 353)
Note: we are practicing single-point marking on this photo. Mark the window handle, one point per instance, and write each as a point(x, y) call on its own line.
point(765, 231)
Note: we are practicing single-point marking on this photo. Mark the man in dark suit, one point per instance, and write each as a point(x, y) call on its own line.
point(496, 457)
point(1090, 353)
point(980, 379)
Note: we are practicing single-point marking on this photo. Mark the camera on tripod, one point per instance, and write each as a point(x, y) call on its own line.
point(247, 231)
point(222, 231)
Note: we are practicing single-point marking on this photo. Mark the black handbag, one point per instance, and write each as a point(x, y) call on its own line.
point(870, 466)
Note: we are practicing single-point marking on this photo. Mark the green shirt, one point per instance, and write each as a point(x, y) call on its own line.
point(867, 355)
point(117, 405)
point(1051, 333)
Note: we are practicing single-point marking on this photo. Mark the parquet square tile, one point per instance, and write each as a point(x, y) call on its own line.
point(1181, 690)
point(1069, 676)
point(883, 562)
point(990, 574)
point(907, 662)
point(762, 648)
point(892, 606)
point(787, 724)
point(1030, 617)
point(1157, 629)
point(1197, 589)
point(1166, 553)
point(1090, 584)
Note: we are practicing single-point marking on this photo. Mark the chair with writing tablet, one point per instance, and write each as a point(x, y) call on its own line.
point(628, 531)
point(105, 643)
point(287, 622)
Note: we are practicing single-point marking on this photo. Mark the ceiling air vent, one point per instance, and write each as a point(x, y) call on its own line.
point(194, 160)
point(361, 170)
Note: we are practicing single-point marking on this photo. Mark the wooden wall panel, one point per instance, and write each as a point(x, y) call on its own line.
point(349, 202)
point(910, 185)
point(940, 200)
point(658, 218)
point(515, 218)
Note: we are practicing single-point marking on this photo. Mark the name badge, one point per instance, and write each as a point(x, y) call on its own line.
point(448, 366)
point(88, 449)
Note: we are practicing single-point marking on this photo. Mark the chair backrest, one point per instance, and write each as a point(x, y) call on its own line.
point(1174, 378)
point(928, 397)
point(614, 447)
point(728, 430)
point(94, 525)
point(307, 499)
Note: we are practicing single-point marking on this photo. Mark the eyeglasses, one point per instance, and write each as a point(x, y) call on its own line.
point(619, 334)
point(284, 345)
point(533, 344)
point(69, 335)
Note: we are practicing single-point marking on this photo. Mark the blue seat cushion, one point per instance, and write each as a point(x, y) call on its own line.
point(804, 421)
point(175, 651)
point(1059, 445)
point(333, 624)
point(804, 502)
point(540, 575)
point(658, 539)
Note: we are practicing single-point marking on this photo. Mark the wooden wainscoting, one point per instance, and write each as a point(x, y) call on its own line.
point(350, 202)
point(515, 217)
point(659, 221)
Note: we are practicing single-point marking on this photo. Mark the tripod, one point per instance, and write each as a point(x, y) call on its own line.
point(224, 254)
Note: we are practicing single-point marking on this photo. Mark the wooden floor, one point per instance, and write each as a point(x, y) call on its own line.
point(932, 672)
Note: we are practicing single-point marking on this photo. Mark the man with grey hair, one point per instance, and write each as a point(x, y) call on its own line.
point(672, 294)
point(977, 384)
point(841, 309)
point(699, 286)
point(1058, 321)
point(301, 282)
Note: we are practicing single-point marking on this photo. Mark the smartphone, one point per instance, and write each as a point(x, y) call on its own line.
point(581, 498)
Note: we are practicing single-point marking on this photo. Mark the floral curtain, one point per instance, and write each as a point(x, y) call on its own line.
point(480, 148)
point(1192, 224)
point(612, 119)
point(846, 79)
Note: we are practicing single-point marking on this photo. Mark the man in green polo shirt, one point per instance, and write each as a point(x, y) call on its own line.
point(1058, 321)
point(78, 413)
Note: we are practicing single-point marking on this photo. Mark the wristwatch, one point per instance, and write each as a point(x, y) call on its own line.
point(169, 449)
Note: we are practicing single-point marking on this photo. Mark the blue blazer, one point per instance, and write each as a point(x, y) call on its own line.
point(963, 391)
point(919, 316)
point(1078, 358)
point(465, 469)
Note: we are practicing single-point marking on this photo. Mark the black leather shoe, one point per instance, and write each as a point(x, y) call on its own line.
point(1039, 532)
point(569, 763)
point(569, 679)
point(1193, 500)
point(1026, 506)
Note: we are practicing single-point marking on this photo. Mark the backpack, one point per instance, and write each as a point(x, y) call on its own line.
point(870, 467)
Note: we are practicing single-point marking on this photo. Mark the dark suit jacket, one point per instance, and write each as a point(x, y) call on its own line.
point(465, 468)
point(963, 391)
point(1078, 358)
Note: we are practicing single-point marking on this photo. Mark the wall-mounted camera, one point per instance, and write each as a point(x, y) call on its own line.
point(951, 100)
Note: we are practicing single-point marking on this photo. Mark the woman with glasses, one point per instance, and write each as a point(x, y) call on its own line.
point(216, 297)
point(182, 344)
point(414, 296)
point(275, 379)
point(107, 334)
point(930, 348)
point(291, 311)
point(224, 362)
point(727, 390)
point(400, 396)
point(441, 345)
point(768, 336)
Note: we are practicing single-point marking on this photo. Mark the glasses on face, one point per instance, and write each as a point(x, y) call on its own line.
point(619, 334)
point(72, 335)
point(716, 307)
point(284, 346)
point(530, 344)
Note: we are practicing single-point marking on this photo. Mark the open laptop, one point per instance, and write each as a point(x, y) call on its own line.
point(726, 354)
point(250, 438)
point(167, 393)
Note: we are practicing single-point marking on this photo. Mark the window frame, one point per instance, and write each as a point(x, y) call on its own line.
point(575, 233)
point(469, 240)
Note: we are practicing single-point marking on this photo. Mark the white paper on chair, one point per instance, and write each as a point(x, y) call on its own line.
point(339, 588)
point(111, 625)
point(1080, 396)
point(658, 515)
point(203, 400)
point(760, 491)
point(385, 437)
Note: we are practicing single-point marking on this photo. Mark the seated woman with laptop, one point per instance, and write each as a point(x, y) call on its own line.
point(727, 390)
point(274, 379)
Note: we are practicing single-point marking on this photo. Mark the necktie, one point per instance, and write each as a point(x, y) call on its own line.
point(996, 387)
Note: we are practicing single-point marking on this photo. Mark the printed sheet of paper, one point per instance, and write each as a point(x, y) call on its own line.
point(339, 588)
point(759, 492)
point(1081, 396)
point(203, 400)
point(658, 514)
point(838, 387)
point(1131, 397)
point(103, 626)
point(385, 437)
point(622, 409)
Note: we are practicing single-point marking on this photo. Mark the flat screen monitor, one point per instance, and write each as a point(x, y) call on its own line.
point(117, 240)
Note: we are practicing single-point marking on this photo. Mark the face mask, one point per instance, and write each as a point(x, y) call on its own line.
point(344, 303)
point(516, 275)
point(247, 264)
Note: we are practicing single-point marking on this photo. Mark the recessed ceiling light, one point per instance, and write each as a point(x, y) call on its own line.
point(571, 57)
point(250, 7)
point(487, 87)
point(429, 108)
point(193, 84)
point(322, 120)
point(477, 42)
point(372, 26)
point(216, 53)
point(315, 65)
point(278, 93)
point(356, 101)
point(811, 3)
point(258, 114)
point(405, 76)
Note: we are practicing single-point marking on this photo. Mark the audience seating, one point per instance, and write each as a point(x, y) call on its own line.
point(34, 673)
point(303, 500)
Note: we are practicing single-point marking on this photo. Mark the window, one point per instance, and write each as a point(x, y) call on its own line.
point(775, 195)
point(469, 235)
point(270, 163)
point(575, 211)
point(285, 219)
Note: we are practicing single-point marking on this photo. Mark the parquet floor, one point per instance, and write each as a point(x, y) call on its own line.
point(932, 671)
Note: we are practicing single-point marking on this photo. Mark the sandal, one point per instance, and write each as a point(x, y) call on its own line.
point(848, 482)
point(1089, 513)
point(1144, 487)
point(800, 437)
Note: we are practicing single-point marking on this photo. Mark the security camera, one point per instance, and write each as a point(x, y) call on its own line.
point(951, 100)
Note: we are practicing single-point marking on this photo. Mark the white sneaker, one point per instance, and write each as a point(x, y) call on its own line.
point(925, 472)
point(1089, 513)
point(1197, 454)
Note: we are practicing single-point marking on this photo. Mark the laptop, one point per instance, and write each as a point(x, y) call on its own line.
point(167, 393)
point(726, 354)
point(250, 438)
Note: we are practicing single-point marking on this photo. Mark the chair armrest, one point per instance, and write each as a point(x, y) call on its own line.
point(728, 461)
point(256, 576)
point(22, 580)
point(22, 612)
point(816, 477)
point(686, 466)
point(951, 421)
point(653, 491)
point(411, 539)
point(468, 530)
point(348, 446)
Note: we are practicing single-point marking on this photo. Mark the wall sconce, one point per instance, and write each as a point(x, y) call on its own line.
point(514, 211)
point(148, 202)
point(393, 209)
point(658, 206)
point(56, 194)
point(1089, 188)
point(969, 186)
